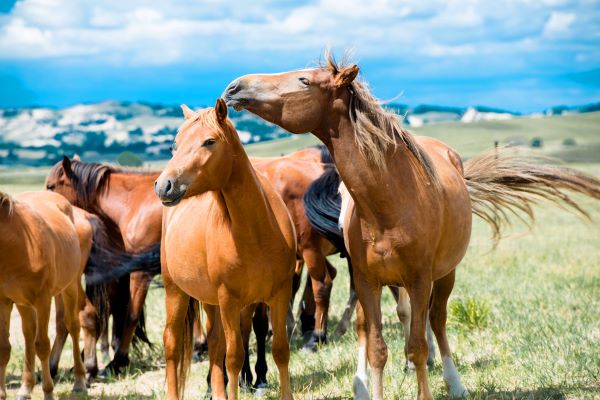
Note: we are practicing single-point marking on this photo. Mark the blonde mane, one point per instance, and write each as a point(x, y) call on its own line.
point(377, 129)
point(207, 117)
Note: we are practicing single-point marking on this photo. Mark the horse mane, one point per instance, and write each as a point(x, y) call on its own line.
point(377, 129)
point(208, 117)
point(7, 202)
point(90, 179)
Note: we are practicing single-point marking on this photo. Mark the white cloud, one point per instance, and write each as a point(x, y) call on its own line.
point(140, 32)
point(558, 24)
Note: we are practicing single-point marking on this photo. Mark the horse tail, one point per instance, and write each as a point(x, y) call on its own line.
point(103, 249)
point(108, 264)
point(186, 355)
point(503, 183)
point(322, 206)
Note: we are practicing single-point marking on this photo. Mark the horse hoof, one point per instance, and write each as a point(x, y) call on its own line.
point(458, 393)
point(261, 390)
point(48, 396)
point(360, 388)
point(24, 397)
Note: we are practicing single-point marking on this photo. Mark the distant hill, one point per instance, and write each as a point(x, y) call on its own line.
point(101, 131)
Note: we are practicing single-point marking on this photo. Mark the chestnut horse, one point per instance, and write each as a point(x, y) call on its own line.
point(41, 258)
point(124, 201)
point(409, 219)
point(228, 240)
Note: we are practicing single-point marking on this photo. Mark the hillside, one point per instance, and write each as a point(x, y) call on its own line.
point(37, 136)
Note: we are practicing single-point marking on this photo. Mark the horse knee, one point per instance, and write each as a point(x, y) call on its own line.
point(42, 347)
point(417, 350)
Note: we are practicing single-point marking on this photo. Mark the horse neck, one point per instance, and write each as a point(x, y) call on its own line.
point(381, 196)
point(243, 200)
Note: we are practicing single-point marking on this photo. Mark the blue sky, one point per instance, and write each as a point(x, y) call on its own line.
point(522, 55)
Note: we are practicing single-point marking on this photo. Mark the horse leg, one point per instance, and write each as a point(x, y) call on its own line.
point(230, 318)
point(403, 311)
point(104, 345)
point(307, 311)
point(419, 291)
point(61, 336)
point(369, 296)
point(291, 321)
point(360, 386)
point(72, 306)
point(344, 323)
point(260, 323)
point(5, 309)
point(437, 315)
point(138, 289)
point(28, 325)
point(88, 320)
point(322, 283)
point(42, 345)
point(280, 347)
point(200, 341)
point(216, 352)
point(177, 303)
point(246, 328)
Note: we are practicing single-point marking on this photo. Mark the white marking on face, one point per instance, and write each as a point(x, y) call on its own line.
point(452, 379)
point(182, 187)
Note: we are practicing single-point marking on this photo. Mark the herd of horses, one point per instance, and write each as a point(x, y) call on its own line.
point(232, 233)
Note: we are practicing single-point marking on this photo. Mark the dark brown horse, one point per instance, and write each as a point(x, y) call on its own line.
point(124, 201)
point(409, 219)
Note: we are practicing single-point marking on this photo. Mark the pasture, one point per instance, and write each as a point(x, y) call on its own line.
point(539, 340)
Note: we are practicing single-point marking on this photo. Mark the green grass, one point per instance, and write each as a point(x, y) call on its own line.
point(541, 289)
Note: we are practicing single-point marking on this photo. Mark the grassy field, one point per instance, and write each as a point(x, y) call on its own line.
point(540, 340)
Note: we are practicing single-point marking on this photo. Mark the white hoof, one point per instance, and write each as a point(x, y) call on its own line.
point(360, 388)
point(458, 393)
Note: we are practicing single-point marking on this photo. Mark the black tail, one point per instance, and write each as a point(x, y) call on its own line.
point(323, 203)
point(107, 264)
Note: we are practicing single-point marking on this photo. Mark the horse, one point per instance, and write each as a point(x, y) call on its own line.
point(408, 221)
point(227, 240)
point(124, 201)
point(104, 264)
point(42, 257)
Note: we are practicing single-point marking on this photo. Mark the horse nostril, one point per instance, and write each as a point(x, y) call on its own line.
point(233, 87)
point(169, 187)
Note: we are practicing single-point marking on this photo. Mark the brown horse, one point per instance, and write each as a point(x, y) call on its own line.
point(409, 221)
point(41, 258)
point(124, 201)
point(227, 241)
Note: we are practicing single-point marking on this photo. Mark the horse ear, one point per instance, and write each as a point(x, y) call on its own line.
point(187, 112)
point(76, 157)
point(346, 76)
point(221, 110)
point(66, 164)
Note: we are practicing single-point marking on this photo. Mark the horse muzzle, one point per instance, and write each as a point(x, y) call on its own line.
point(166, 192)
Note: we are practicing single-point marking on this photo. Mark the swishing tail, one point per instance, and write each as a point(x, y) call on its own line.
point(502, 183)
point(187, 345)
point(322, 205)
point(107, 263)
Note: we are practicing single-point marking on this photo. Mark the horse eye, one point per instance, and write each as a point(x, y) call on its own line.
point(209, 142)
point(50, 186)
point(173, 147)
point(304, 81)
